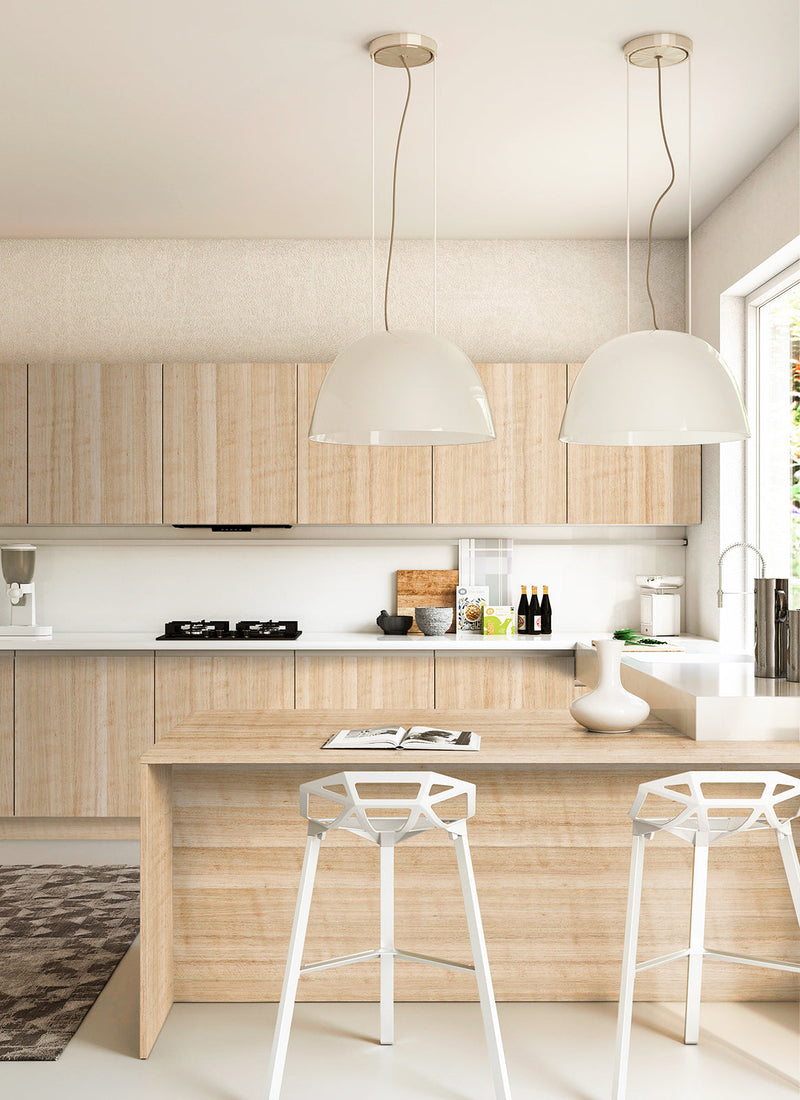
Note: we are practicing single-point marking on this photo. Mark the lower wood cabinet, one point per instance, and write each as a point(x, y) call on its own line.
point(516, 681)
point(81, 724)
point(187, 683)
point(338, 681)
point(6, 734)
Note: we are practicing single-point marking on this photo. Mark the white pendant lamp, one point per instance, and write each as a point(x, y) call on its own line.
point(657, 387)
point(398, 388)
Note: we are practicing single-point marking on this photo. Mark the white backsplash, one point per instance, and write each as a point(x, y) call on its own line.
point(92, 586)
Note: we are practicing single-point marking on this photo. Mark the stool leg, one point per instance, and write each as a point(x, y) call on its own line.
point(697, 928)
point(280, 1041)
point(387, 944)
point(480, 958)
point(791, 865)
point(625, 1012)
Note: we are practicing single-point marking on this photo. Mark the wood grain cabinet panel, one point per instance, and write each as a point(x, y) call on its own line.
point(520, 477)
point(14, 443)
point(344, 484)
point(81, 724)
point(187, 683)
point(509, 681)
point(94, 444)
point(230, 440)
point(6, 734)
point(650, 485)
point(348, 680)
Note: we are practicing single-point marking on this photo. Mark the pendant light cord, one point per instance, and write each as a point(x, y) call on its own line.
point(666, 191)
point(394, 198)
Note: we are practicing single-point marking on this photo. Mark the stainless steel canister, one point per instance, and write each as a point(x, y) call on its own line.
point(793, 647)
point(771, 610)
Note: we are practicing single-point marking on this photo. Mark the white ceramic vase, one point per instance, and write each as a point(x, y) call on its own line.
point(609, 708)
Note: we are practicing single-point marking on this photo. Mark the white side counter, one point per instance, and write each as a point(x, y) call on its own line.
point(708, 695)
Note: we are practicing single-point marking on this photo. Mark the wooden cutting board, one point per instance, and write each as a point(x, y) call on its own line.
point(426, 588)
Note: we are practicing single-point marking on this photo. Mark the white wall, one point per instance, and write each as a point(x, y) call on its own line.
point(88, 587)
point(276, 301)
point(758, 221)
point(256, 300)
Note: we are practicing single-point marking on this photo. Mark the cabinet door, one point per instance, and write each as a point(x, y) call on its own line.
point(94, 446)
point(343, 484)
point(6, 734)
point(340, 681)
point(230, 443)
point(14, 443)
point(512, 681)
point(520, 477)
point(632, 484)
point(81, 724)
point(187, 683)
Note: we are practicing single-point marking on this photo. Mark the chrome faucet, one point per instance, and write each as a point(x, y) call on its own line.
point(733, 545)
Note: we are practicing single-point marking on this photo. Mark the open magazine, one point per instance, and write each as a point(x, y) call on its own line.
point(397, 737)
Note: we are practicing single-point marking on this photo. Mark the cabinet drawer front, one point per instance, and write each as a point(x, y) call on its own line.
point(81, 724)
point(347, 680)
point(187, 683)
point(513, 681)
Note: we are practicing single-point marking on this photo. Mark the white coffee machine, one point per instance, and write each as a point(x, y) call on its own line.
point(660, 606)
point(18, 563)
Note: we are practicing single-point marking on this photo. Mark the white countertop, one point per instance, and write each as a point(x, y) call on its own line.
point(372, 642)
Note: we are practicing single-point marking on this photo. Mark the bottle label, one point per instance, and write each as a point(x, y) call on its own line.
point(537, 622)
point(522, 626)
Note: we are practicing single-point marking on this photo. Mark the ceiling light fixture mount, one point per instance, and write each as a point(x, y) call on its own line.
point(394, 387)
point(657, 387)
point(404, 49)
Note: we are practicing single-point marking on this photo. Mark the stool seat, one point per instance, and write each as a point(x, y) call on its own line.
point(387, 808)
point(714, 805)
point(348, 790)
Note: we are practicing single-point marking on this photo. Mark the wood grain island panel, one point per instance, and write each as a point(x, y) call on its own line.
point(550, 843)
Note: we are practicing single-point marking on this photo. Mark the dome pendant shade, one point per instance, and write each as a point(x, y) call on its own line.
point(654, 388)
point(402, 389)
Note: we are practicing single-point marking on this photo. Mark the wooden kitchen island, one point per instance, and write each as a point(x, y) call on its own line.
point(222, 844)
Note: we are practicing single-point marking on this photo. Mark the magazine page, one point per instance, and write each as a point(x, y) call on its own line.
point(378, 737)
point(429, 737)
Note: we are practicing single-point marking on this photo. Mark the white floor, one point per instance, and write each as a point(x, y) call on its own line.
point(554, 1052)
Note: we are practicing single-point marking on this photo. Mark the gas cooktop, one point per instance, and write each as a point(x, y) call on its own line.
point(219, 630)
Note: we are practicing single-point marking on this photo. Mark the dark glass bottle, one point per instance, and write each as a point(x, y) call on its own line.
point(522, 612)
point(547, 612)
point(534, 613)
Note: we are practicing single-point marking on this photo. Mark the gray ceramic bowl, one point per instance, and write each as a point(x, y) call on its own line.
point(434, 620)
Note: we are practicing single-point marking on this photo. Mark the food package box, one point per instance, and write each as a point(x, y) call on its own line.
point(470, 602)
point(498, 620)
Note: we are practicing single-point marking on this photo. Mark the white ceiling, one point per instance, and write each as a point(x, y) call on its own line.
point(251, 118)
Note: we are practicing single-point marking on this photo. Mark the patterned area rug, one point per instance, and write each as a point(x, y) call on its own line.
point(63, 930)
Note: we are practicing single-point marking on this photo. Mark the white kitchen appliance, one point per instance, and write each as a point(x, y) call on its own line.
point(660, 606)
point(18, 563)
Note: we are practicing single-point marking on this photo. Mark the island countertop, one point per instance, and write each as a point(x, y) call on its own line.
point(510, 738)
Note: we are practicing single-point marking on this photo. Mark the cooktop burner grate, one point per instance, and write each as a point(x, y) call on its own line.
point(219, 630)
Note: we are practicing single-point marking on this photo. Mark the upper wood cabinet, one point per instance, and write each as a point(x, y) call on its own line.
point(14, 443)
point(81, 723)
point(230, 438)
point(648, 485)
point(94, 443)
point(344, 484)
point(521, 476)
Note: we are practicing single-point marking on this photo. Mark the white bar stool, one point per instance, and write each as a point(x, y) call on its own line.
point(693, 824)
point(419, 814)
